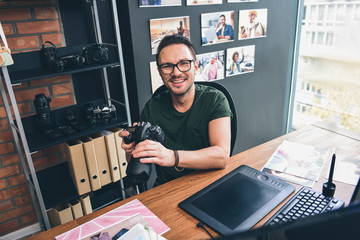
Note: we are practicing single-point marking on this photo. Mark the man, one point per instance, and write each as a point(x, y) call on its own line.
point(223, 30)
point(254, 29)
point(194, 118)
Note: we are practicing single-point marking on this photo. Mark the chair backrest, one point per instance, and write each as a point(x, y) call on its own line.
point(231, 104)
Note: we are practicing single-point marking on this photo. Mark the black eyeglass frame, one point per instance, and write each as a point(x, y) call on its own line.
point(177, 66)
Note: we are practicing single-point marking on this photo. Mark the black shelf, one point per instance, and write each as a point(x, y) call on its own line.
point(57, 187)
point(38, 140)
point(41, 73)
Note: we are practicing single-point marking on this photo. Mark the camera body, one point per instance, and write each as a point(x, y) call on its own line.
point(143, 131)
point(97, 53)
point(136, 171)
point(67, 62)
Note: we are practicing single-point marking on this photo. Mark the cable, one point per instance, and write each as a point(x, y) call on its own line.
point(201, 225)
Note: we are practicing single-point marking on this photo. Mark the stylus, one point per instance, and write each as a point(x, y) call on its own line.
point(201, 225)
point(332, 169)
point(329, 187)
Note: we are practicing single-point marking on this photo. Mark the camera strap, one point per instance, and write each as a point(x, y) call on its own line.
point(2, 35)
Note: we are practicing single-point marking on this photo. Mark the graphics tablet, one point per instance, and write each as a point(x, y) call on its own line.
point(237, 201)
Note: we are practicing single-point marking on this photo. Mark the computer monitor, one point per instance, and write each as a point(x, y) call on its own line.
point(356, 195)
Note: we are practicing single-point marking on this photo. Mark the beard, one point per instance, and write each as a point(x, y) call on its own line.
point(180, 93)
point(253, 24)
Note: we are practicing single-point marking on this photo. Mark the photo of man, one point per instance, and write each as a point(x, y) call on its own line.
point(252, 23)
point(161, 27)
point(217, 27)
point(159, 3)
point(240, 60)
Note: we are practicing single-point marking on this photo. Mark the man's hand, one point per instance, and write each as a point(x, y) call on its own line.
point(154, 152)
point(129, 148)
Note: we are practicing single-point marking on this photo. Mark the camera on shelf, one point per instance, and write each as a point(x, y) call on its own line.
point(45, 117)
point(97, 53)
point(105, 114)
point(136, 171)
point(48, 54)
point(68, 62)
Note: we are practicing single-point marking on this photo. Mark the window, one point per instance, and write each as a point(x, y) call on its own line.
point(328, 74)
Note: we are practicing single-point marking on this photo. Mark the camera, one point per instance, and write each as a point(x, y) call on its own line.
point(44, 117)
point(48, 54)
point(97, 53)
point(68, 62)
point(136, 171)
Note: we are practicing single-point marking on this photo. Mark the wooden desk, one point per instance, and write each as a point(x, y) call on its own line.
point(163, 200)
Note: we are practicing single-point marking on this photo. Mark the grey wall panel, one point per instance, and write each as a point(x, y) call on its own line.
point(261, 97)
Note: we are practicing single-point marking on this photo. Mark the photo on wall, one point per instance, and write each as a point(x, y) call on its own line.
point(202, 2)
point(156, 80)
point(238, 1)
point(217, 27)
point(252, 23)
point(161, 27)
point(240, 60)
point(159, 3)
point(211, 66)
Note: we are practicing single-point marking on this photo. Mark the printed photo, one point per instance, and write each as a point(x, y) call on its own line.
point(159, 28)
point(240, 60)
point(159, 3)
point(156, 80)
point(217, 27)
point(203, 2)
point(211, 66)
point(252, 23)
point(237, 1)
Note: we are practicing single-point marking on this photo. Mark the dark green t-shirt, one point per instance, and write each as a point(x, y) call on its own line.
point(185, 131)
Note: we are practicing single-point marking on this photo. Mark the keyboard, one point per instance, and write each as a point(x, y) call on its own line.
point(305, 202)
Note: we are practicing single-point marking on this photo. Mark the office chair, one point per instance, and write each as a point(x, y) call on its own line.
point(231, 104)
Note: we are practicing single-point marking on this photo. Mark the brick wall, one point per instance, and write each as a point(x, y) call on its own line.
point(27, 24)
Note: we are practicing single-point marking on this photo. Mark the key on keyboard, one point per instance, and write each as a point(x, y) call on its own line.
point(304, 203)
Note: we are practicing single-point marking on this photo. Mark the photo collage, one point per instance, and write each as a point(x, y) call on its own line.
point(216, 28)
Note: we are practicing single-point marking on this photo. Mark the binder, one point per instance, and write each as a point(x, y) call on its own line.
point(121, 154)
point(101, 158)
point(76, 209)
point(112, 155)
point(91, 163)
point(77, 166)
point(86, 204)
point(60, 215)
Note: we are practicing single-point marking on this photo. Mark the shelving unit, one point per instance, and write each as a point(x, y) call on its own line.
point(43, 183)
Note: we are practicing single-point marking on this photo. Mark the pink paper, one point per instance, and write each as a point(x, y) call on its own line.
point(117, 215)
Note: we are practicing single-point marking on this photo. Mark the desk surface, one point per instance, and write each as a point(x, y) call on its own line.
point(163, 200)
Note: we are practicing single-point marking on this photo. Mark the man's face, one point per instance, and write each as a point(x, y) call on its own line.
point(252, 17)
point(177, 82)
point(222, 21)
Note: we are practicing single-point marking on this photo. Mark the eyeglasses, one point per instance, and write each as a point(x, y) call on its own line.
point(183, 66)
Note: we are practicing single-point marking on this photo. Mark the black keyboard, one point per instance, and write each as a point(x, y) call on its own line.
point(305, 202)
